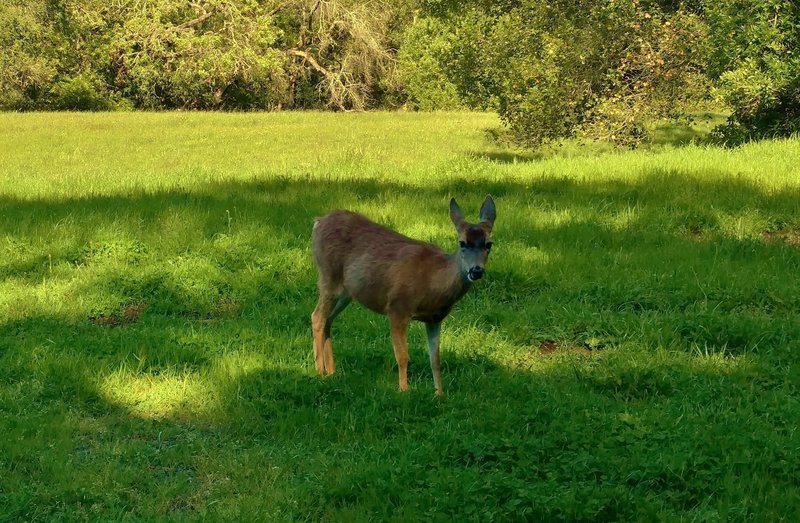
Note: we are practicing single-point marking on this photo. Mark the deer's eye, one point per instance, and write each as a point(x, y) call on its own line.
point(488, 246)
point(462, 244)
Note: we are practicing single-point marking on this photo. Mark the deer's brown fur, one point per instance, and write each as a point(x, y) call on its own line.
point(391, 274)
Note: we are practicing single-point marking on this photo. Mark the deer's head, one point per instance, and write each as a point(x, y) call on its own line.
point(474, 240)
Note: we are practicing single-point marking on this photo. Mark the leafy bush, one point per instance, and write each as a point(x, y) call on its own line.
point(561, 69)
point(427, 43)
point(220, 57)
point(25, 70)
point(85, 92)
point(162, 54)
point(756, 63)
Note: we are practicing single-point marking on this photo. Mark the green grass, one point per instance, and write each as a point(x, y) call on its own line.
point(633, 353)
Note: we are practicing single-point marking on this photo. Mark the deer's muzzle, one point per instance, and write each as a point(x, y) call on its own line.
point(475, 273)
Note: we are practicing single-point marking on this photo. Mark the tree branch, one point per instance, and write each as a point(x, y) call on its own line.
point(332, 79)
point(280, 7)
point(199, 20)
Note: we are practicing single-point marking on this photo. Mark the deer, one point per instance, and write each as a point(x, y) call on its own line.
point(396, 276)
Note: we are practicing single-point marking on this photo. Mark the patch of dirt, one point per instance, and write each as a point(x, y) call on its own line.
point(129, 314)
point(787, 236)
point(224, 308)
point(548, 347)
point(697, 234)
point(227, 308)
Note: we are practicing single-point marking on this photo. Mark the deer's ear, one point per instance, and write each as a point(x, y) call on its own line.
point(456, 216)
point(488, 211)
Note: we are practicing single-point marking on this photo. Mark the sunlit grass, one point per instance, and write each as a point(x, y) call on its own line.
point(631, 355)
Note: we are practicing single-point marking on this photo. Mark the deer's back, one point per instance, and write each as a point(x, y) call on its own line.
point(342, 237)
point(373, 263)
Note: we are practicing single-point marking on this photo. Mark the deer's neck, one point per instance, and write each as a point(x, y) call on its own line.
point(457, 282)
point(446, 285)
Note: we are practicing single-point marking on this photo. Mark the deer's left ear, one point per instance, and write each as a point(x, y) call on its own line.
point(488, 211)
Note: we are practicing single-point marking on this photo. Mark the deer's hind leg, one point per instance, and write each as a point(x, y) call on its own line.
point(329, 306)
point(342, 301)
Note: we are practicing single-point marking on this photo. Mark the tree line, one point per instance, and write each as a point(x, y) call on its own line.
point(550, 68)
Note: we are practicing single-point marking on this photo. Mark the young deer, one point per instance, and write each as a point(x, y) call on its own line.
point(391, 274)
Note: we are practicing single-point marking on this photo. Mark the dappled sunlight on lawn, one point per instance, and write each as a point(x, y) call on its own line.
point(180, 394)
point(157, 396)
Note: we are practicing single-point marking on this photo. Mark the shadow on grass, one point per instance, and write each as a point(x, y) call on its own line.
point(694, 129)
point(241, 249)
point(544, 437)
point(511, 158)
point(156, 413)
point(678, 134)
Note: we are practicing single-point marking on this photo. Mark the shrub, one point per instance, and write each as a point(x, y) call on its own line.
point(84, 92)
point(756, 65)
point(591, 68)
point(427, 45)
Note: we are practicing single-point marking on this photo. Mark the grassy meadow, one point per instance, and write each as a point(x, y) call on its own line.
point(632, 354)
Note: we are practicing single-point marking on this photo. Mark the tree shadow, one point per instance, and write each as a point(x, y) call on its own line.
point(678, 134)
point(505, 157)
point(692, 129)
point(526, 434)
point(234, 248)
point(695, 128)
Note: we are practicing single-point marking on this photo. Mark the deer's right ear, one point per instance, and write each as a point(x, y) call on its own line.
point(456, 216)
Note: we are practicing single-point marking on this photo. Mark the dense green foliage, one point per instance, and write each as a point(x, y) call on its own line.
point(600, 69)
point(756, 57)
point(428, 44)
point(162, 54)
point(633, 353)
point(594, 67)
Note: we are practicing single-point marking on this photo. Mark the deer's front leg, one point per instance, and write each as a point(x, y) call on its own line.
point(432, 330)
point(319, 319)
point(399, 327)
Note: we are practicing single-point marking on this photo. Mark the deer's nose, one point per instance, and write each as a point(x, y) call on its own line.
point(476, 273)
